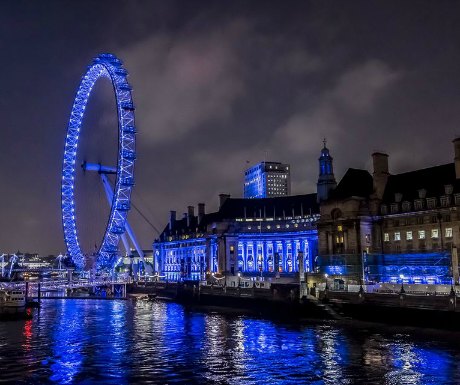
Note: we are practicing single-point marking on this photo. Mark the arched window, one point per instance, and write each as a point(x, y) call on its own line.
point(336, 214)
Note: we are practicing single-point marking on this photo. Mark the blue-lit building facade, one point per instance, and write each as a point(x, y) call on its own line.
point(185, 250)
point(186, 258)
point(273, 252)
point(263, 237)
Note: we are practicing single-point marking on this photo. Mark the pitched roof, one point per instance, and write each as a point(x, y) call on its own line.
point(269, 207)
point(240, 208)
point(355, 182)
point(432, 179)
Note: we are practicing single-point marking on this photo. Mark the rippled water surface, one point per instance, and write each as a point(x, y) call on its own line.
point(128, 342)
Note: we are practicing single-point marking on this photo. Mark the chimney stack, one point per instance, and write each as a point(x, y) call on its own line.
point(457, 157)
point(200, 211)
point(223, 198)
point(172, 219)
point(381, 174)
point(190, 215)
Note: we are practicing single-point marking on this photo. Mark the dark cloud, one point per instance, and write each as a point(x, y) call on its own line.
point(182, 82)
point(217, 84)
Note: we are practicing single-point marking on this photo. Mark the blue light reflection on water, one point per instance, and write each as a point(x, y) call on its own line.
point(413, 364)
point(124, 342)
point(66, 356)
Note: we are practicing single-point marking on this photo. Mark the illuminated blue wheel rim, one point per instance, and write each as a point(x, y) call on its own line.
point(109, 66)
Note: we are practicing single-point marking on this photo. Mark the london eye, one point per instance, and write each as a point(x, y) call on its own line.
point(119, 195)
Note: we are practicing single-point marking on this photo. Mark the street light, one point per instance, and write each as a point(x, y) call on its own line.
point(402, 283)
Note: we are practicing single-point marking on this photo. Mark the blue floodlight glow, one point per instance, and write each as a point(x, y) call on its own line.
point(109, 66)
point(410, 268)
point(253, 254)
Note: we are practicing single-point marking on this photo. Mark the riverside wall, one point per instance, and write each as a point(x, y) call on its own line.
point(284, 301)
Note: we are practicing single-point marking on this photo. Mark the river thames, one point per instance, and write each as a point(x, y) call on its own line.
point(135, 342)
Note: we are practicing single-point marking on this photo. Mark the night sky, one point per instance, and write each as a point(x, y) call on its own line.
point(217, 84)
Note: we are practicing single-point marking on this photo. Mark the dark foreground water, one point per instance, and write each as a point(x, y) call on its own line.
point(128, 342)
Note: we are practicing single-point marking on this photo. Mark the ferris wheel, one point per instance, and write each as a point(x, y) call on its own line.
point(108, 66)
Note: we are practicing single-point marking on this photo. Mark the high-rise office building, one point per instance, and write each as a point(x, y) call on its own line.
point(266, 180)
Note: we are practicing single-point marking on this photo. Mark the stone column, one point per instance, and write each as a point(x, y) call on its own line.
point(208, 254)
point(245, 256)
point(285, 265)
point(265, 256)
point(309, 255)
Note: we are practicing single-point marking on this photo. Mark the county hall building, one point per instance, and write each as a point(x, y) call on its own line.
point(368, 228)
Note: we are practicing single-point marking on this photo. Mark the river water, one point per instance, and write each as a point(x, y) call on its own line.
point(135, 342)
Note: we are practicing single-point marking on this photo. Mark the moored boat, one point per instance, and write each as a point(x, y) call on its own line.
point(12, 300)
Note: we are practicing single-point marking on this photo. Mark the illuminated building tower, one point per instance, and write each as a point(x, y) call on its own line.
point(326, 179)
point(267, 180)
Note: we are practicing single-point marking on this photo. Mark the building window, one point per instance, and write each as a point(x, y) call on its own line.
point(409, 235)
point(386, 237)
point(434, 233)
point(419, 220)
point(431, 203)
point(418, 204)
point(336, 214)
point(457, 199)
point(434, 219)
point(384, 209)
point(449, 232)
point(445, 201)
point(394, 208)
point(449, 189)
point(421, 234)
point(397, 236)
point(406, 206)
